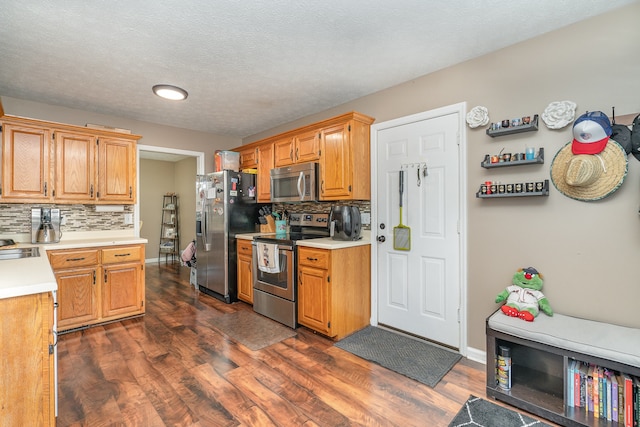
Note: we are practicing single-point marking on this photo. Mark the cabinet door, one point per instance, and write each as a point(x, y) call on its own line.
point(307, 147)
point(248, 158)
point(122, 290)
point(116, 170)
point(265, 164)
point(314, 299)
point(77, 297)
point(283, 152)
point(75, 167)
point(26, 163)
point(245, 278)
point(335, 163)
point(27, 392)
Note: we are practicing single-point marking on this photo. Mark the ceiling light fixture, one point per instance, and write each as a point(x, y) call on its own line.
point(173, 93)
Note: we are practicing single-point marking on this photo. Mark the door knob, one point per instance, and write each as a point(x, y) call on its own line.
point(381, 239)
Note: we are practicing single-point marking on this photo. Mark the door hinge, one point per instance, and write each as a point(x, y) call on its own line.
point(458, 137)
point(141, 303)
point(458, 314)
point(328, 325)
point(349, 128)
point(328, 278)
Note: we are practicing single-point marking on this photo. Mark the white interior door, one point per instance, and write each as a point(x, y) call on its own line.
point(419, 289)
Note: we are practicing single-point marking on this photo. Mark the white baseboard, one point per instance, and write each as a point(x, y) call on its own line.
point(476, 355)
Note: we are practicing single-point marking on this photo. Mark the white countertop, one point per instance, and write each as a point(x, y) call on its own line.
point(33, 275)
point(322, 243)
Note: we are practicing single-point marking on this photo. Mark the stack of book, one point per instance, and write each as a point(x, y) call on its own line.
point(607, 394)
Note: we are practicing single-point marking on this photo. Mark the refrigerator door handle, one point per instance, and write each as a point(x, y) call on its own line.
point(301, 185)
point(205, 231)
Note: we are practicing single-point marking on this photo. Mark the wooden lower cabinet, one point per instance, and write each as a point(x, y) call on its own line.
point(245, 272)
point(27, 374)
point(98, 284)
point(334, 289)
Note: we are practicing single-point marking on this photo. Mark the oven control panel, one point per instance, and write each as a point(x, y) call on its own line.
point(309, 219)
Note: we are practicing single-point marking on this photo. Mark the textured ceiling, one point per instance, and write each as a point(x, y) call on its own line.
point(250, 65)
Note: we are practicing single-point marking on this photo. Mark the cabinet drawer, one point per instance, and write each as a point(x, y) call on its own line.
point(244, 247)
point(121, 254)
point(74, 258)
point(318, 258)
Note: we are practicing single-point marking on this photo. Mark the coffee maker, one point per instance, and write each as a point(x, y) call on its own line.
point(45, 225)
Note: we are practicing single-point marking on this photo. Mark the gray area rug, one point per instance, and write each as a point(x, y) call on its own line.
point(418, 360)
point(479, 412)
point(252, 330)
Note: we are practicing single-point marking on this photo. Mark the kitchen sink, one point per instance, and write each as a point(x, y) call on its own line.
point(17, 253)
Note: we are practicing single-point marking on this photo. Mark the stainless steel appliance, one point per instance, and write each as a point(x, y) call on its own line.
point(221, 213)
point(274, 293)
point(345, 223)
point(45, 225)
point(295, 183)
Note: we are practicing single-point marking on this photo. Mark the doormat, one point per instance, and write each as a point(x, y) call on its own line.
point(482, 413)
point(252, 330)
point(418, 360)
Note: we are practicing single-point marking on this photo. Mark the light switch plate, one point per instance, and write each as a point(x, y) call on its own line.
point(128, 219)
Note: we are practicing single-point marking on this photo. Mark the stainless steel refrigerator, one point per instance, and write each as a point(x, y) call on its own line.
point(225, 206)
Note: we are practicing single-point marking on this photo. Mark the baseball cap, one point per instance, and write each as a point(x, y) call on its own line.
point(591, 132)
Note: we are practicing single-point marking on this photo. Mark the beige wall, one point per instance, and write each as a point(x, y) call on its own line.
point(156, 179)
point(587, 251)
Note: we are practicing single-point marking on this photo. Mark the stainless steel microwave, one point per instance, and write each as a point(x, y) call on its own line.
point(295, 183)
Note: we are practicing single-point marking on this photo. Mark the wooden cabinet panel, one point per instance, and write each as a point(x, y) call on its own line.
point(265, 164)
point(116, 170)
point(248, 158)
point(245, 273)
point(335, 166)
point(334, 294)
point(26, 160)
point(77, 297)
point(74, 258)
point(98, 284)
point(307, 147)
point(27, 374)
point(75, 167)
point(283, 152)
point(121, 293)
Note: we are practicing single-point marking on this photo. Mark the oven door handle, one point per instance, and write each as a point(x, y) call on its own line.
point(301, 185)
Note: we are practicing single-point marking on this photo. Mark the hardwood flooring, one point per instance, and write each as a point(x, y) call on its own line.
point(171, 367)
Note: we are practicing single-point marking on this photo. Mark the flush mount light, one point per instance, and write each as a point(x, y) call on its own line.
point(173, 93)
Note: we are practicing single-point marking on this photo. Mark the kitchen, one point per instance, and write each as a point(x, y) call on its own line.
point(484, 221)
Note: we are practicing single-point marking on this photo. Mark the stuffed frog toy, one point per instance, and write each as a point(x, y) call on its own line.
point(523, 296)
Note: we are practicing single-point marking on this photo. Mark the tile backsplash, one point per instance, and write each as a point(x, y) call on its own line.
point(16, 218)
point(324, 207)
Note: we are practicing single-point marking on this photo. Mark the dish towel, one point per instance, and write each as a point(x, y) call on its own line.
point(268, 257)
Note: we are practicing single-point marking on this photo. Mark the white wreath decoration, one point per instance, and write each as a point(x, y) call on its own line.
point(559, 114)
point(478, 116)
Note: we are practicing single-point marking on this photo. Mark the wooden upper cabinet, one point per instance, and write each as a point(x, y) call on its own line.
point(248, 158)
point(345, 169)
point(116, 170)
point(44, 162)
point(26, 164)
point(265, 164)
point(301, 148)
point(75, 167)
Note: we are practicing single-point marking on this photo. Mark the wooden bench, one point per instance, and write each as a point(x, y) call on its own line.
point(541, 351)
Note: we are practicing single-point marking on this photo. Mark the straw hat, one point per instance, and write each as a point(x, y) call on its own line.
point(589, 177)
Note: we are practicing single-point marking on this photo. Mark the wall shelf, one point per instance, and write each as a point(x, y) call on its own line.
point(524, 193)
point(531, 127)
point(486, 163)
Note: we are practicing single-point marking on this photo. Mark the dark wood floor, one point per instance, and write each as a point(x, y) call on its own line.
point(173, 368)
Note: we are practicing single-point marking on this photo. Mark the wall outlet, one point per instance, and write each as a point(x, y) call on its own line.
point(128, 218)
point(63, 220)
point(365, 218)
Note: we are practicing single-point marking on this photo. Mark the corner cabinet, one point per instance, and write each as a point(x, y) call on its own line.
point(334, 296)
point(341, 146)
point(27, 375)
point(74, 164)
point(245, 274)
point(97, 285)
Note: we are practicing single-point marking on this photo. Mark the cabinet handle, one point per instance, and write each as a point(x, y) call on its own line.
point(291, 154)
point(105, 277)
point(45, 188)
point(94, 277)
point(122, 254)
point(312, 259)
point(297, 153)
point(130, 192)
point(74, 259)
point(91, 190)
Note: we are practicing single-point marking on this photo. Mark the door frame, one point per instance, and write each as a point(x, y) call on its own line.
point(461, 110)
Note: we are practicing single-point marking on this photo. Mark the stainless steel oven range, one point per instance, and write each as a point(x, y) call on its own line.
point(274, 266)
